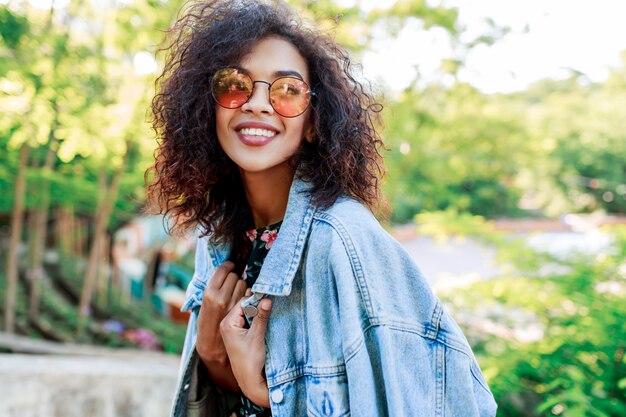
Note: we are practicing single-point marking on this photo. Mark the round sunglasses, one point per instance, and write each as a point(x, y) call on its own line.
point(289, 96)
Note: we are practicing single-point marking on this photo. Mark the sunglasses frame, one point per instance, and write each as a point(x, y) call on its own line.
point(269, 89)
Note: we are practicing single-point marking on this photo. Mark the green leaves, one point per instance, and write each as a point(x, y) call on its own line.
point(453, 148)
point(13, 27)
point(574, 364)
point(73, 82)
point(556, 148)
point(355, 26)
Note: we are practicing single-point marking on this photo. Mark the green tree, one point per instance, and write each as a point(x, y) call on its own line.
point(14, 29)
point(74, 94)
point(581, 126)
point(454, 148)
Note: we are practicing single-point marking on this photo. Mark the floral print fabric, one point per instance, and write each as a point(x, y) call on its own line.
point(261, 241)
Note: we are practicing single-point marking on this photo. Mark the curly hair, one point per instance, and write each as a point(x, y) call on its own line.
point(192, 179)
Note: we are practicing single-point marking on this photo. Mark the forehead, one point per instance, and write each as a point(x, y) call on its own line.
point(274, 54)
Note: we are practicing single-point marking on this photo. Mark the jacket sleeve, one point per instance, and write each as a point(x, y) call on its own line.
point(404, 355)
point(197, 395)
point(192, 304)
point(203, 270)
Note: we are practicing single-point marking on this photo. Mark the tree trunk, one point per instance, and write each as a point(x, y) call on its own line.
point(33, 233)
point(81, 236)
point(41, 225)
point(31, 227)
point(15, 241)
point(64, 230)
point(104, 271)
point(102, 219)
point(102, 194)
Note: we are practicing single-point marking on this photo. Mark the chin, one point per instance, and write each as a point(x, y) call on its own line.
point(252, 167)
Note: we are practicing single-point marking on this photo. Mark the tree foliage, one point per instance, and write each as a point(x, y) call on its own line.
point(78, 79)
point(550, 334)
point(454, 148)
point(557, 147)
point(78, 73)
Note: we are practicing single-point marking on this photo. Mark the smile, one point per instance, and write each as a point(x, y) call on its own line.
point(254, 136)
point(257, 132)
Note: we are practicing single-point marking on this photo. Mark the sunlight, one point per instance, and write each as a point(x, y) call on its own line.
point(144, 63)
point(46, 4)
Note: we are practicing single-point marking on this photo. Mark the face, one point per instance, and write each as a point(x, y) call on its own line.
point(254, 136)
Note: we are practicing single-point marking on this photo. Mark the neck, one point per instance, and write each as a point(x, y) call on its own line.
point(267, 193)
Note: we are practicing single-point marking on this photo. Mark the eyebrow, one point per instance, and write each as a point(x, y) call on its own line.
point(277, 74)
point(287, 73)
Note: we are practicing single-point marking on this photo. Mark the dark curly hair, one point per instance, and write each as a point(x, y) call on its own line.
point(192, 180)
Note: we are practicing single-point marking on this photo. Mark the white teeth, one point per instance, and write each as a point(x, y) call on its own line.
point(258, 132)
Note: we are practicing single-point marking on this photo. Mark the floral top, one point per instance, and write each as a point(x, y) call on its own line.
point(261, 241)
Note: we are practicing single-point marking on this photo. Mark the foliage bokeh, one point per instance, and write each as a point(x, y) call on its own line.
point(76, 81)
point(549, 333)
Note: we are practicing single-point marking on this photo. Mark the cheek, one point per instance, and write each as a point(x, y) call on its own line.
point(296, 133)
point(222, 119)
point(300, 125)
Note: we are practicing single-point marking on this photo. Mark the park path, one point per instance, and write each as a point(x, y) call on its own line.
point(457, 260)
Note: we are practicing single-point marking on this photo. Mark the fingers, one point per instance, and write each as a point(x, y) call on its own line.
point(259, 324)
point(241, 288)
point(220, 274)
point(229, 284)
point(240, 294)
point(234, 319)
point(224, 288)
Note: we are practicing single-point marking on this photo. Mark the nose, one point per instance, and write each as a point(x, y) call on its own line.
point(259, 101)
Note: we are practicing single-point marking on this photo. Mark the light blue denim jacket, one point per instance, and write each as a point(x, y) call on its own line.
point(354, 327)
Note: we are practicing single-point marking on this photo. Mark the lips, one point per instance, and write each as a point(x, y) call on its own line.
point(256, 133)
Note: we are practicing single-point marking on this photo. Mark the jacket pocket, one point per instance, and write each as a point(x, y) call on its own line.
point(327, 396)
point(466, 391)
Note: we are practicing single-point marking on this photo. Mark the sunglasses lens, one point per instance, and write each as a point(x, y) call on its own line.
point(289, 96)
point(231, 88)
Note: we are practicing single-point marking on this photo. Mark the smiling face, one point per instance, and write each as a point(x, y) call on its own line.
point(254, 136)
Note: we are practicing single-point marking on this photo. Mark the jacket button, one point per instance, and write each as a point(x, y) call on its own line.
point(251, 311)
point(277, 396)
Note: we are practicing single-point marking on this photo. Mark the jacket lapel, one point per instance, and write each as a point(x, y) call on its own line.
point(283, 259)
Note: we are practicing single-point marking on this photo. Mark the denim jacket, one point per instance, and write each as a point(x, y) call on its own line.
point(354, 327)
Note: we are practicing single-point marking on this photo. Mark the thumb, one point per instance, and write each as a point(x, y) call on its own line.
point(259, 324)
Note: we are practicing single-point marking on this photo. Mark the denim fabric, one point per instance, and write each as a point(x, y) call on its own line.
point(354, 328)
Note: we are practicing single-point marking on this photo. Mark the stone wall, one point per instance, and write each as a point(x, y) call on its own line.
point(132, 385)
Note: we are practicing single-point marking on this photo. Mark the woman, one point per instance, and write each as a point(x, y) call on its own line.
point(268, 145)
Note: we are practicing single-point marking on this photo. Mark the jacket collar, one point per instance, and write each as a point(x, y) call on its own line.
point(283, 260)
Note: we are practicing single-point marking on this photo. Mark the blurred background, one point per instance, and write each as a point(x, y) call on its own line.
point(505, 128)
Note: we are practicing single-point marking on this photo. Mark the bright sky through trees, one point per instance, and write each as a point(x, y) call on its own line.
point(548, 38)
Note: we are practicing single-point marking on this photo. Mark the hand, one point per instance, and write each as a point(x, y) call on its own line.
point(223, 291)
point(246, 350)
